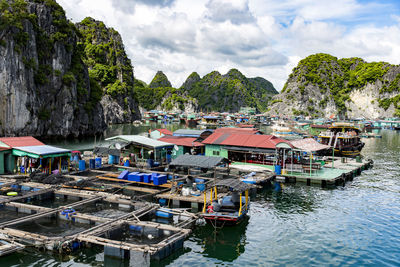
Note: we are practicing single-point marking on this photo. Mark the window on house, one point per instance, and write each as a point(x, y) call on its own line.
point(216, 153)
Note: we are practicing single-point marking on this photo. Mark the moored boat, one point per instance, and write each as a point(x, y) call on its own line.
point(344, 138)
point(230, 209)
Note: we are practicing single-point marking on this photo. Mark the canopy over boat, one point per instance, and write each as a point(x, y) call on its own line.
point(235, 184)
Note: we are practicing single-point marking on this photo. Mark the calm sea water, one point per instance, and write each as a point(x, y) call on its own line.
point(354, 225)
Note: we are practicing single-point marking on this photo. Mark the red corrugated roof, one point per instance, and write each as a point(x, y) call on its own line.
point(21, 141)
point(237, 130)
point(164, 131)
point(244, 140)
point(181, 141)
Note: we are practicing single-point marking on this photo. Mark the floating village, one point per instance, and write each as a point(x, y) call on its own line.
point(139, 196)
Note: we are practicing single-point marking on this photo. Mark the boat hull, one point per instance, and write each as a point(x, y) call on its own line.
point(224, 220)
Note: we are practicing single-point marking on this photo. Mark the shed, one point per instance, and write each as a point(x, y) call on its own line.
point(138, 144)
point(48, 157)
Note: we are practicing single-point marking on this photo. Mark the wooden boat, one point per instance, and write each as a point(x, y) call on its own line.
point(227, 210)
point(344, 138)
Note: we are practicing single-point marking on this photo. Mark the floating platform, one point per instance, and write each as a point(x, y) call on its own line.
point(342, 170)
point(79, 211)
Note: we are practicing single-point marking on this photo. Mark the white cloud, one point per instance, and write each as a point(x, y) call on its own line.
point(263, 38)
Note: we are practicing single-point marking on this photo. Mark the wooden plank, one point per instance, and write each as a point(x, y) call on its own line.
point(136, 188)
point(32, 194)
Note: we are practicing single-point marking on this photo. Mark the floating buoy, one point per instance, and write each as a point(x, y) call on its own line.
point(12, 194)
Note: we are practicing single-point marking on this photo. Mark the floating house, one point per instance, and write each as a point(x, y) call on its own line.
point(26, 154)
point(184, 145)
point(143, 147)
point(158, 133)
point(6, 165)
point(244, 148)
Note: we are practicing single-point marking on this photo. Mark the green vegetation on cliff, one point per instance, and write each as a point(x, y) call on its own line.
point(160, 93)
point(216, 92)
point(337, 78)
point(105, 56)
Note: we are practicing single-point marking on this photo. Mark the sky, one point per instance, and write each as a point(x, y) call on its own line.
point(260, 38)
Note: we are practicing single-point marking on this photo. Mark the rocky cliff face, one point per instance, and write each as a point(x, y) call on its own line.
point(229, 92)
point(111, 69)
point(325, 86)
point(44, 85)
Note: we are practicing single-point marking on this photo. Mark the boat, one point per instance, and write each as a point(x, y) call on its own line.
point(344, 138)
point(281, 130)
point(228, 209)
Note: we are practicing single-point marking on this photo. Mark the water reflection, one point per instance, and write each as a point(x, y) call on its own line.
point(225, 244)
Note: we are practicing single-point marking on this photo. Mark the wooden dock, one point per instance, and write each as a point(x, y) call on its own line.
point(343, 169)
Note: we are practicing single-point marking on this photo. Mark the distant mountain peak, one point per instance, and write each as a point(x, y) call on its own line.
point(160, 80)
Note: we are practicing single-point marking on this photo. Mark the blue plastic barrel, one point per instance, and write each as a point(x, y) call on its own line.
point(278, 169)
point(126, 163)
point(110, 159)
point(92, 163)
point(82, 165)
point(98, 163)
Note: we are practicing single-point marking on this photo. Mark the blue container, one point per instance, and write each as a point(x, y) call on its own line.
point(154, 174)
point(139, 177)
point(201, 187)
point(82, 165)
point(123, 175)
point(110, 159)
point(126, 163)
point(199, 181)
point(278, 170)
point(146, 178)
point(116, 160)
point(248, 181)
point(163, 214)
point(98, 163)
point(160, 180)
point(162, 202)
point(92, 163)
point(132, 175)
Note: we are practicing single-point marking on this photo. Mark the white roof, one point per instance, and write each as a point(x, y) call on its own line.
point(139, 140)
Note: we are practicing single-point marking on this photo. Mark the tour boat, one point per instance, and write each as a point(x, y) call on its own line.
point(344, 138)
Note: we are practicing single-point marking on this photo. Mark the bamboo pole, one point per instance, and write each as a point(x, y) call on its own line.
point(240, 204)
point(205, 201)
